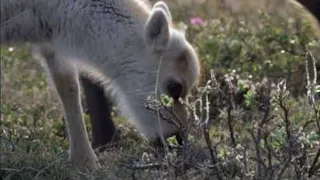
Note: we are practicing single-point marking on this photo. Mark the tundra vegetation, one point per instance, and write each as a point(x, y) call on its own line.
point(255, 114)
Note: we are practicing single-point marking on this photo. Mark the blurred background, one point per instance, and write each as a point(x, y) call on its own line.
point(252, 41)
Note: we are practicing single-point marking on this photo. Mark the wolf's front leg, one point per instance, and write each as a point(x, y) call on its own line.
point(104, 131)
point(65, 79)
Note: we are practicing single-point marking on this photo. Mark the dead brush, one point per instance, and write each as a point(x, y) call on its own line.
point(262, 141)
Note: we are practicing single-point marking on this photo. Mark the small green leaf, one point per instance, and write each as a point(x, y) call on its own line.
point(166, 100)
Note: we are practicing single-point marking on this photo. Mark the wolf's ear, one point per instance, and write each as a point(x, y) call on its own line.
point(163, 6)
point(157, 30)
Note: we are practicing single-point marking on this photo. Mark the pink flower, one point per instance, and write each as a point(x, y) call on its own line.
point(197, 21)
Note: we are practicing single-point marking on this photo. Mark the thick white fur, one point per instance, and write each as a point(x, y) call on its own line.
point(122, 40)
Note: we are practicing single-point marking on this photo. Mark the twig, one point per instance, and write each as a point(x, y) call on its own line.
point(283, 169)
point(287, 124)
point(315, 166)
point(212, 154)
point(258, 153)
point(230, 126)
point(147, 166)
point(269, 156)
point(158, 110)
point(230, 99)
point(163, 117)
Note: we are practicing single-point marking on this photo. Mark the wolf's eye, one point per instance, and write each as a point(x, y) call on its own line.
point(174, 89)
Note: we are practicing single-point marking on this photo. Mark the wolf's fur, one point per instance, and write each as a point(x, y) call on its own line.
point(312, 6)
point(122, 40)
point(308, 9)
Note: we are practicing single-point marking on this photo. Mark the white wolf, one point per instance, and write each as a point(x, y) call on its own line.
point(125, 41)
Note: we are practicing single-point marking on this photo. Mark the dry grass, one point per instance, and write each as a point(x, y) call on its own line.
point(254, 129)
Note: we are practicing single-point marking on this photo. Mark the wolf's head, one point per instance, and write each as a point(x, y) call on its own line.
point(177, 70)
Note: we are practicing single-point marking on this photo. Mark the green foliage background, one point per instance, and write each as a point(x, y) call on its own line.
point(250, 45)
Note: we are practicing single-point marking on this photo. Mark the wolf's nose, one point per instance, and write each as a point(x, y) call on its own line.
point(174, 89)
